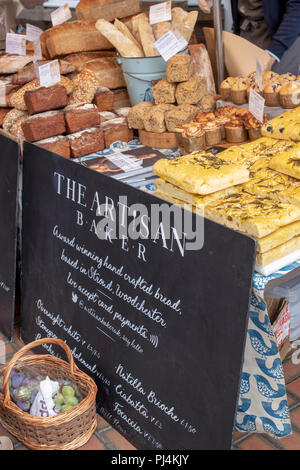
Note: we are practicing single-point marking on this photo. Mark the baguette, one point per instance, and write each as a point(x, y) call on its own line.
point(178, 17)
point(123, 44)
point(160, 29)
point(71, 37)
point(147, 37)
point(123, 29)
point(186, 28)
point(135, 26)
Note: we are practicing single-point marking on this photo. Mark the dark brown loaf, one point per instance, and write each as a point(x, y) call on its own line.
point(104, 99)
point(59, 145)
point(44, 125)
point(45, 99)
point(116, 129)
point(86, 142)
point(81, 116)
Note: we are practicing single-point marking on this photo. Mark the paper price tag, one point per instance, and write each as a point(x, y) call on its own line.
point(37, 50)
point(15, 44)
point(256, 105)
point(125, 162)
point(49, 74)
point(259, 74)
point(61, 15)
point(3, 100)
point(170, 44)
point(160, 12)
point(33, 33)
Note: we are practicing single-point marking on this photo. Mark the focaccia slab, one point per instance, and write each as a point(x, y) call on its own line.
point(263, 259)
point(288, 162)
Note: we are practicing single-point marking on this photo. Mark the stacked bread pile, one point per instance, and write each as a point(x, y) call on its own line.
point(226, 123)
point(266, 206)
point(178, 98)
point(278, 90)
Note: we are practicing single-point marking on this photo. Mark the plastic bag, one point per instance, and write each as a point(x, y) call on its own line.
point(43, 404)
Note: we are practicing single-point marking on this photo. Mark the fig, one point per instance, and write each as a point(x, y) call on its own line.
point(23, 393)
point(17, 380)
point(24, 405)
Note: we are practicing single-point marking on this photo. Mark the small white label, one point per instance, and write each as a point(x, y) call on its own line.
point(49, 74)
point(256, 105)
point(61, 15)
point(125, 162)
point(170, 44)
point(160, 12)
point(3, 101)
point(259, 74)
point(37, 50)
point(33, 33)
point(15, 44)
point(36, 68)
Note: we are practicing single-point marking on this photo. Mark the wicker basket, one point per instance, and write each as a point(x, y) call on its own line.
point(65, 431)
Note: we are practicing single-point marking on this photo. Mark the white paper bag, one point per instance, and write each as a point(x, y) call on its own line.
point(43, 404)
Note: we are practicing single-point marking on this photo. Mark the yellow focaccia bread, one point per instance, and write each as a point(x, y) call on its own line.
point(256, 216)
point(286, 126)
point(263, 259)
point(201, 173)
point(287, 162)
point(280, 236)
point(277, 186)
point(194, 199)
point(173, 200)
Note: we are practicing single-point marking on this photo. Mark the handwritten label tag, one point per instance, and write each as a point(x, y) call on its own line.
point(37, 50)
point(160, 12)
point(259, 74)
point(61, 15)
point(49, 74)
point(125, 162)
point(33, 33)
point(3, 100)
point(170, 44)
point(256, 105)
point(15, 44)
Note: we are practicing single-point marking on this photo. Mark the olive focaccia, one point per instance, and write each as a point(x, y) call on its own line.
point(287, 162)
point(275, 185)
point(263, 259)
point(190, 198)
point(286, 126)
point(256, 216)
point(201, 172)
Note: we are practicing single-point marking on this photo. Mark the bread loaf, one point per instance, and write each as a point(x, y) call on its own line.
point(81, 116)
point(191, 91)
point(85, 86)
point(136, 114)
point(159, 29)
point(79, 60)
point(11, 117)
point(186, 28)
point(16, 128)
point(10, 63)
point(179, 115)
point(73, 36)
point(154, 118)
point(104, 99)
point(178, 17)
point(179, 68)
point(44, 125)
point(3, 113)
point(116, 129)
point(123, 28)
point(202, 65)
point(107, 9)
point(123, 44)
point(86, 142)
point(121, 98)
point(45, 99)
point(59, 145)
point(164, 92)
point(28, 73)
point(147, 37)
point(108, 72)
point(106, 116)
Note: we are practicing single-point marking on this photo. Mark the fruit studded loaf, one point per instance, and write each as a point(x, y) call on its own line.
point(116, 129)
point(81, 116)
point(45, 99)
point(192, 91)
point(44, 125)
point(59, 144)
point(104, 99)
point(181, 114)
point(179, 68)
point(136, 114)
point(164, 92)
point(86, 142)
point(71, 37)
point(17, 100)
point(85, 86)
point(107, 9)
point(154, 118)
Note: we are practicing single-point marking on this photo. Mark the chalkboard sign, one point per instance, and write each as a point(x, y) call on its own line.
point(9, 162)
point(160, 328)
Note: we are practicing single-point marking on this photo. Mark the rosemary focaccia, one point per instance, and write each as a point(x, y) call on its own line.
point(286, 126)
point(280, 236)
point(201, 172)
point(173, 200)
point(256, 216)
point(277, 186)
point(288, 162)
point(263, 259)
point(189, 198)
